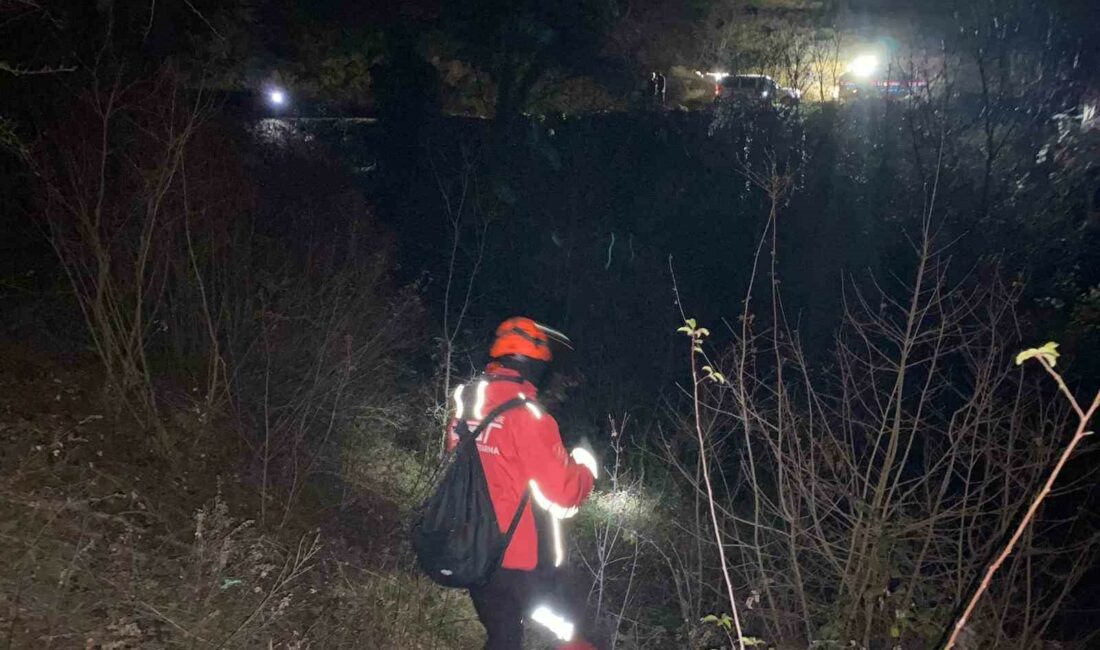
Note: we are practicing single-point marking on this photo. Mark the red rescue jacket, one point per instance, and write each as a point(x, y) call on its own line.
point(522, 448)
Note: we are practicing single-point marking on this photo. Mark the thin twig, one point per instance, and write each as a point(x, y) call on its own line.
point(1078, 436)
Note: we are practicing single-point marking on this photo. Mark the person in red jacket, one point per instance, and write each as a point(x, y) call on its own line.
point(521, 451)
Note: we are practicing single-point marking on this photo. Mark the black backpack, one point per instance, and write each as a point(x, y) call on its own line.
point(456, 536)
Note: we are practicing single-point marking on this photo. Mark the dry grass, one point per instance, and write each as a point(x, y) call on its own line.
point(104, 546)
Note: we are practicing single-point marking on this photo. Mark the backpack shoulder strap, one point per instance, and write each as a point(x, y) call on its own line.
point(515, 402)
point(464, 432)
point(466, 436)
point(516, 517)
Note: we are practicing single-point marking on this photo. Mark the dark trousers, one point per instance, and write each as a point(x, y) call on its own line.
point(501, 606)
point(512, 595)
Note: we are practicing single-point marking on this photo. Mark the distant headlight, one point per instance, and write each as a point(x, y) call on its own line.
point(864, 66)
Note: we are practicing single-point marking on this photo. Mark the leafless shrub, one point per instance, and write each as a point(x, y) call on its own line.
point(459, 190)
point(615, 548)
point(152, 218)
point(314, 368)
point(876, 491)
point(115, 197)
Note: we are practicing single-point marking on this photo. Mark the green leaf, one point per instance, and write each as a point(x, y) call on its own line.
point(1049, 353)
point(718, 377)
point(702, 331)
point(895, 632)
point(710, 618)
point(685, 329)
point(690, 323)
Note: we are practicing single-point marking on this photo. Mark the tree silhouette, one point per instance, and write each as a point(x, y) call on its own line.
point(519, 42)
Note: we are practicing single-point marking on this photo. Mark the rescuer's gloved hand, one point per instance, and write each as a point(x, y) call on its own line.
point(584, 457)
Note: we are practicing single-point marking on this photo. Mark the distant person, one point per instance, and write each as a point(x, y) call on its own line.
point(660, 90)
point(651, 88)
point(524, 461)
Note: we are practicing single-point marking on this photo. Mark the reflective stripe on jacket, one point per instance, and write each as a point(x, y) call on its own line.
point(521, 448)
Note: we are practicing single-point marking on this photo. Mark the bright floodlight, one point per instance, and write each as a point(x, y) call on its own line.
point(276, 97)
point(863, 65)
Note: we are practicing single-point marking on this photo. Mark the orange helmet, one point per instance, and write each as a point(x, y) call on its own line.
point(521, 336)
